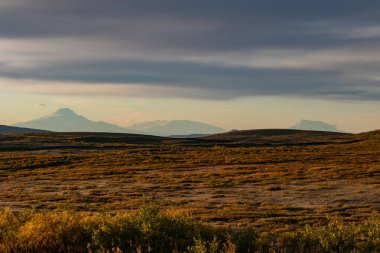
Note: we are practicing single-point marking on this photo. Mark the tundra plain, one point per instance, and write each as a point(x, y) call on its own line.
point(272, 180)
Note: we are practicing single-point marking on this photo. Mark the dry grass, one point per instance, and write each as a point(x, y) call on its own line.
point(274, 183)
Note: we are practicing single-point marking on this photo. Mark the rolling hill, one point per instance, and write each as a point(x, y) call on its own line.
point(16, 130)
point(246, 138)
point(273, 137)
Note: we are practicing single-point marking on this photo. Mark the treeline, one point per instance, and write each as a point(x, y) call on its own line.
point(152, 230)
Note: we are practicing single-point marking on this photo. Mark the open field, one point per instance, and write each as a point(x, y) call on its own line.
point(273, 180)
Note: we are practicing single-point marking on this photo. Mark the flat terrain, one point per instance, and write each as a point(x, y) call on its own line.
point(272, 179)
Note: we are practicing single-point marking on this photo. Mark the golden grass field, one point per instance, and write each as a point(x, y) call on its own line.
point(273, 180)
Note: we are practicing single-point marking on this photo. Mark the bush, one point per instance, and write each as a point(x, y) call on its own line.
point(54, 232)
point(336, 236)
point(150, 230)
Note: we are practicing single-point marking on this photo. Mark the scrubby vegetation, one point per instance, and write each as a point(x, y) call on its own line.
point(254, 192)
point(150, 230)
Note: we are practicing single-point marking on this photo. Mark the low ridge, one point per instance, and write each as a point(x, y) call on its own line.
point(278, 137)
point(17, 130)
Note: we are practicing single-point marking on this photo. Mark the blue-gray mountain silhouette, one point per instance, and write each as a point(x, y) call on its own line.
point(315, 126)
point(66, 120)
point(176, 128)
point(19, 130)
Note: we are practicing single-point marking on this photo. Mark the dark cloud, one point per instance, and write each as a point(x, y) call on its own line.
point(197, 44)
point(218, 82)
point(228, 24)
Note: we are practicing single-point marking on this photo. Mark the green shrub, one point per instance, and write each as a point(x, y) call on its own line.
point(150, 230)
point(336, 236)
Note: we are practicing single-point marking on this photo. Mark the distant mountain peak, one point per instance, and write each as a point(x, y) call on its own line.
point(176, 127)
point(315, 125)
point(304, 122)
point(66, 120)
point(65, 111)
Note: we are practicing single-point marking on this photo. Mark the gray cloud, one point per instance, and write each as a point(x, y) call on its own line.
point(205, 49)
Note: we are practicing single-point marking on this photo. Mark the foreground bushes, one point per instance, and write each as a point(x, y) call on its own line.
point(336, 236)
point(150, 230)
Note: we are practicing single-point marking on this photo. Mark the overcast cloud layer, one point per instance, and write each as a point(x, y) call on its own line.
point(199, 49)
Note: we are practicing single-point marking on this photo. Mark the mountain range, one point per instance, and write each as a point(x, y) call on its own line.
point(66, 120)
point(176, 127)
point(315, 126)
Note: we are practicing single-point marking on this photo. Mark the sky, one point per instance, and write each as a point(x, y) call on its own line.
point(238, 64)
